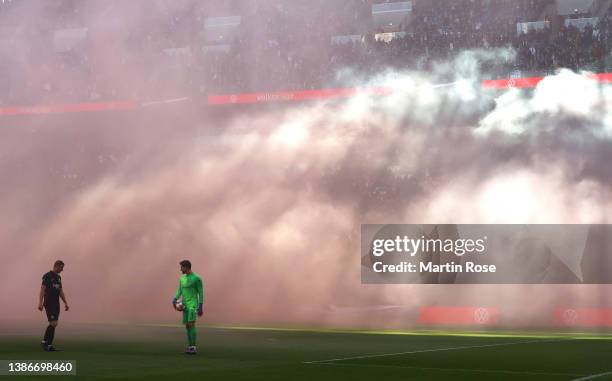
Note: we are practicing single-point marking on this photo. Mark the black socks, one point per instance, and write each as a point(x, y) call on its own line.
point(49, 334)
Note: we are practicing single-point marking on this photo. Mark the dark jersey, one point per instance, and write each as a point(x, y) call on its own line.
point(53, 285)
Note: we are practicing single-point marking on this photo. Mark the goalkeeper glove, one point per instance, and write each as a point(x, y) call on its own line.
point(200, 309)
point(174, 300)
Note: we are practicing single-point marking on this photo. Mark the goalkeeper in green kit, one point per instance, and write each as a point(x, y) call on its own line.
point(192, 293)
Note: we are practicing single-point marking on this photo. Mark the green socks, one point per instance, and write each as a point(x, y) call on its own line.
point(192, 334)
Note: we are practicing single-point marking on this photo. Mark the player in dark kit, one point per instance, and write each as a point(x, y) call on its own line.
point(50, 293)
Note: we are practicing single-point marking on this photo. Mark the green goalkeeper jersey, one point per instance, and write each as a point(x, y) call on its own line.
point(191, 289)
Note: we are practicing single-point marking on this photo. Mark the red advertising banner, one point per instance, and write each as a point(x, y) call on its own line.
point(519, 83)
point(284, 96)
point(603, 77)
point(583, 317)
point(295, 95)
point(67, 108)
point(458, 315)
point(531, 82)
point(264, 97)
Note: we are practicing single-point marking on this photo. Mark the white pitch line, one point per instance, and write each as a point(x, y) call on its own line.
point(593, 376)
point(432, 350)
point(457, 369)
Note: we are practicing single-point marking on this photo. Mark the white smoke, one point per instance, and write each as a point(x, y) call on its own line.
point(269, 210)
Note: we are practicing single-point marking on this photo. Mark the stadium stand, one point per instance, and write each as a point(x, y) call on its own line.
point(186, 49)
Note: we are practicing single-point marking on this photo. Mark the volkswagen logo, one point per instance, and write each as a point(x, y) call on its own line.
point(570, 317)
point(481, 315)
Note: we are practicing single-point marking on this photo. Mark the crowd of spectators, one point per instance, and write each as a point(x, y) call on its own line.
point(439, 30)
point(286, 52)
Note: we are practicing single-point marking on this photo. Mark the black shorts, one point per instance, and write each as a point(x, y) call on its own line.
point(53, 311)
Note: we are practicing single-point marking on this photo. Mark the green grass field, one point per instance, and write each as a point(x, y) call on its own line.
point(155, 353)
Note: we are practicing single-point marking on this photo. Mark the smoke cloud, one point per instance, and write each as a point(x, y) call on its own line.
point(268, 204)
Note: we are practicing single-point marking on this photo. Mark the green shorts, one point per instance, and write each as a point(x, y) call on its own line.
point(189, 315)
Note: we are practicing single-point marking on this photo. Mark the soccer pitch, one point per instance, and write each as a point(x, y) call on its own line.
point(154, 352)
